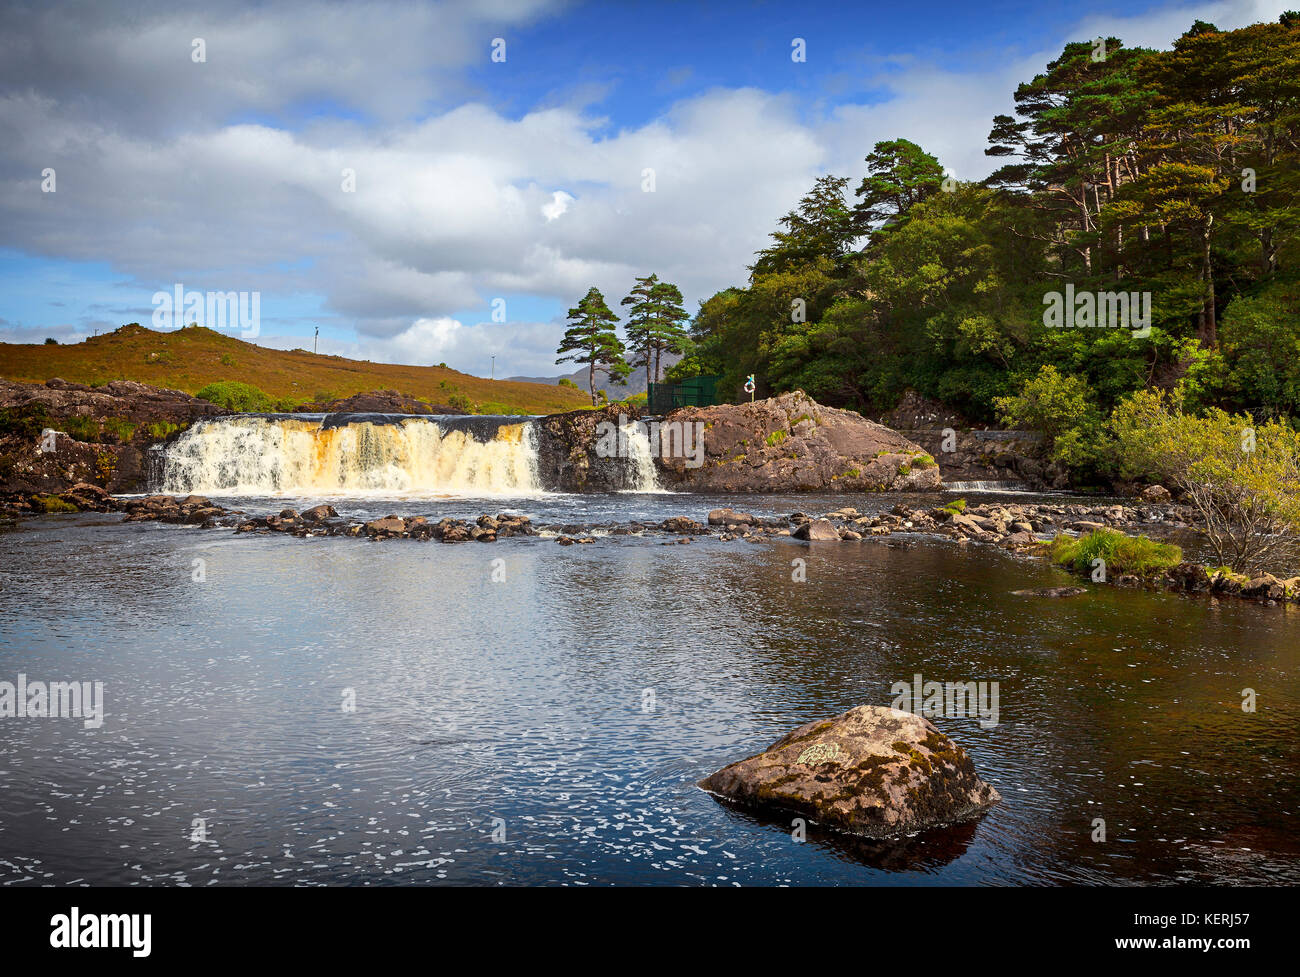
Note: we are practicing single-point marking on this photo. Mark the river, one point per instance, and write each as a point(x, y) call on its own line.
point(503, 732)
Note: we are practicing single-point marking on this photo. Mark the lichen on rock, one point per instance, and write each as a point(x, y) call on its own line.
point(871, 771)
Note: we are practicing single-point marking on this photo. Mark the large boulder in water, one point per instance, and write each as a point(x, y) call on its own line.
point(872, 771)
point(817, 529)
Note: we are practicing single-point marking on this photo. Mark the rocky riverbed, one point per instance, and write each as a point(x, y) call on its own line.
point(1023, 528)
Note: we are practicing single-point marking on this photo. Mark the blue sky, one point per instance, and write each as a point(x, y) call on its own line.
point(475, 180)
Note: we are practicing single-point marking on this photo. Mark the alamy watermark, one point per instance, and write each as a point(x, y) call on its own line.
point(1098, 310)
point(215, 310)
point(951, 700)
point(674, 439)
point(53, 700)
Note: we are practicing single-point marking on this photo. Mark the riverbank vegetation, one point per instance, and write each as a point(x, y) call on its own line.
point(1120, 554)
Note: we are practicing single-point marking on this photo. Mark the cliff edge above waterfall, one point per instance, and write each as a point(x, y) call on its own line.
point(67, 445)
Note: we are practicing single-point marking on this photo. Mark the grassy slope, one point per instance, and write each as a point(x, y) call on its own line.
point(189, 359)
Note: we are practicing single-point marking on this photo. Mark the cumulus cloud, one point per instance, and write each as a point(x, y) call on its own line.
point(520, 348)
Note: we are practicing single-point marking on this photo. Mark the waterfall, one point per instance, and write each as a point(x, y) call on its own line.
point(350, 453)
point(641, 474)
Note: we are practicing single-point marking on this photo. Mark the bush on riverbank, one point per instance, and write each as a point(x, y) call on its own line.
point(52, 503)
point(1122, 554)
point(1242, 478)
point(236, 396)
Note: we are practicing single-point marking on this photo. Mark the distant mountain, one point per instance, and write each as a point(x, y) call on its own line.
point(618, 391)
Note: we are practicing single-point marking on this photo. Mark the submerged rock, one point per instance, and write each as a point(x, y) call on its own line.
point(1051, 592)
point(872, 771)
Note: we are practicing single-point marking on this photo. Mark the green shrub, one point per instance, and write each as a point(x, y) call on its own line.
point(775, 438)
point(460, 402)
point(1241, 477)
point(956, 507)
point(79, 428)
point(1137, 555)
point(26, 422)
point(120, 428)
point(52, 503)
point(227, 359)
point(492, 407)
point(233, 395)
point(1061, 408)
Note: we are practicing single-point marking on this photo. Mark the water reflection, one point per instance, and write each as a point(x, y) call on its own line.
point(522, 701)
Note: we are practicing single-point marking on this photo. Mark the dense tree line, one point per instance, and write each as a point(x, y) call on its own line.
point(1174, 174)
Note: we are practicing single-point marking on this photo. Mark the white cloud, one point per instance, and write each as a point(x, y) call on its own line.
point(559, 204)
point(520, 348)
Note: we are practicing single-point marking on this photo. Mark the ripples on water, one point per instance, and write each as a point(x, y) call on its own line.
point(522, 701)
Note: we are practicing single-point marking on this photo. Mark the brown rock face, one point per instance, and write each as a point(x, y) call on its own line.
point(791, 443)
point(388, 526)
point(788, 443)
point(104, 433)
point(872, 771)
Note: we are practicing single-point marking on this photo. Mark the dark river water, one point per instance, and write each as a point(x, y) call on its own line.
point(500, 736)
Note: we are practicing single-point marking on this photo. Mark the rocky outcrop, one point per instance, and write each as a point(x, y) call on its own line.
point(101, 433)
point(871, 771)
point(790, 443)
point(569, 455)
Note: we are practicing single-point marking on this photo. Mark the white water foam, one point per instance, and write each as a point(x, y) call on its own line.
point(290, 456)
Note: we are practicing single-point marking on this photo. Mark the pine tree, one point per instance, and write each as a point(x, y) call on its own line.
point(591, 339)
point(821, 225)
point(655, 325)
point(899, 174)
